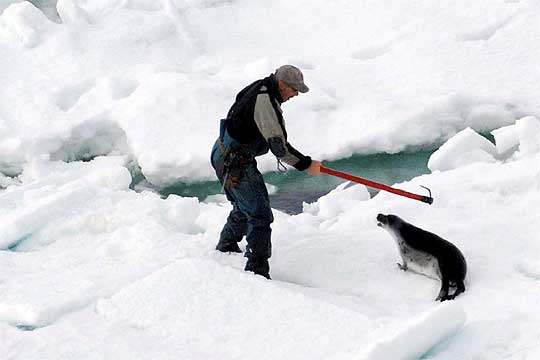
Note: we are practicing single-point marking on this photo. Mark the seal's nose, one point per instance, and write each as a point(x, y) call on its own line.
point(381, 219)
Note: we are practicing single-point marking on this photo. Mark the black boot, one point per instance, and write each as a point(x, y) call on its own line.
point(259, 267)
point(228, 247)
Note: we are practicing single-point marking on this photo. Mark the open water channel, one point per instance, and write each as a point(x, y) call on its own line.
point(295, 187)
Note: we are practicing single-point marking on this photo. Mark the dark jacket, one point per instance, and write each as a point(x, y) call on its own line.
point(256, 120)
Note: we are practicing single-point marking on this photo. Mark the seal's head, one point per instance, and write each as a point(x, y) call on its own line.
point(387, 221)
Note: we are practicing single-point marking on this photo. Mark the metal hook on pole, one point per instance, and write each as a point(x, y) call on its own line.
point(425, 187)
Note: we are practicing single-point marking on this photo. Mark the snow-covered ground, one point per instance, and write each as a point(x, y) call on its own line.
point(99, 271)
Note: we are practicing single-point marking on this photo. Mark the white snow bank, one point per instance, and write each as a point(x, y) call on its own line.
point(419, 335)
point(181, 301)
point(178, 148)
point(464, 148)
point(61, 191)
point(97, 235)
point(379, 75)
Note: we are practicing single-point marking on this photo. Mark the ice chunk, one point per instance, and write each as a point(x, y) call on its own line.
point(26, 22)
point(528, 129)
point(417, 337)
point(337, 201)
point(216, 199)
point(272, 189)
point(6, 181)
point(63, 190)
point(464, 148)
point(506, 138)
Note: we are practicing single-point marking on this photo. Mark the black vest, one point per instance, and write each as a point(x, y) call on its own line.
point(240, 123)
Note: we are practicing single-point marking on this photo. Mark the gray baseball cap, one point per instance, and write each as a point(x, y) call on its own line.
point(292, 76)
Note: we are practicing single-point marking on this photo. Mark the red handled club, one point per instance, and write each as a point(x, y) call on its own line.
point(370, 183)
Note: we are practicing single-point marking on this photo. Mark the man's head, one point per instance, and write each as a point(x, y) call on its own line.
point(290, 81)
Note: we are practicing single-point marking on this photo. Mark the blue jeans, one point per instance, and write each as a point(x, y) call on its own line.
point(251, 214)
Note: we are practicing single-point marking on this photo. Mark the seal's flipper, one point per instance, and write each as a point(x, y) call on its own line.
point(443, 294)
point(460, 287)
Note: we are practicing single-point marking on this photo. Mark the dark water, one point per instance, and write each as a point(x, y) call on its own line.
point(295, 187)
point(26, 327)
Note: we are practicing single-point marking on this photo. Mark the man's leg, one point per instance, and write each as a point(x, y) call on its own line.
point(236, 226)
point(234, 230)
point(259, 247)
point(252, 199)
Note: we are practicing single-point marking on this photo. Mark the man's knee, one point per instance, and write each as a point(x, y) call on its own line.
point(262, 219)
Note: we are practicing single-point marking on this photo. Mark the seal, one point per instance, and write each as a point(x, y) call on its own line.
point(428, 254)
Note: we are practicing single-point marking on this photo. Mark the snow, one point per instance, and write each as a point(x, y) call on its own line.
point(449, 318)
point(344, 195)
point(506, 138)
point(182, 288)
point(170, 69)
point(6, 181)
point(92, 269)
point(464, 148)
point(64, 190)
point(528, 129)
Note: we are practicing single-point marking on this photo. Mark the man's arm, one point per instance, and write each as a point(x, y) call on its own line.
point(268, 123)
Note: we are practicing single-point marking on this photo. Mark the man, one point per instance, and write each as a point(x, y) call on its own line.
point(254, 125)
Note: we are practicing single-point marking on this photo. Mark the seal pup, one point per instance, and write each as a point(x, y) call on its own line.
point(426, 253)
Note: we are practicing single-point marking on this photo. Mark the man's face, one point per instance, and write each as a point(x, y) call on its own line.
point(286, 91)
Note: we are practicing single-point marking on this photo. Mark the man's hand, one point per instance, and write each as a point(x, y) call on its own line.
point(314, 168)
